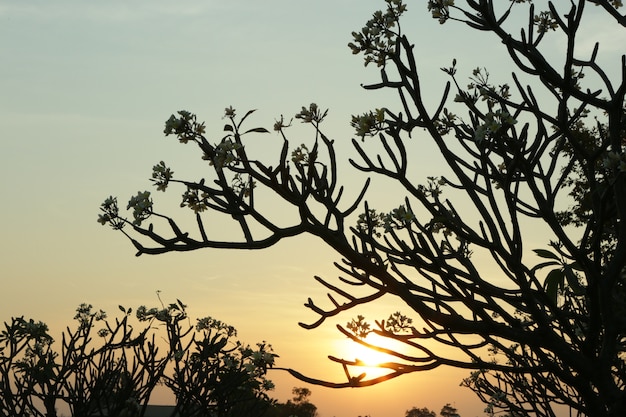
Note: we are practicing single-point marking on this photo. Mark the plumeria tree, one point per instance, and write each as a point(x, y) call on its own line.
point(216, 376)
point(543, 155)
point(106, 368)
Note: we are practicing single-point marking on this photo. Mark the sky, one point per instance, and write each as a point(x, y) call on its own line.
point(85, 88)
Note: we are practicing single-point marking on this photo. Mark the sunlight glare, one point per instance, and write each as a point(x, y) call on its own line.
point(352, 351)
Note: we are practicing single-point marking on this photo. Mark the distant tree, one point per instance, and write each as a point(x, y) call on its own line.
point(545, 331)
point(420, 412)
point(449, 411)
point(299, 406)
point(113, 370)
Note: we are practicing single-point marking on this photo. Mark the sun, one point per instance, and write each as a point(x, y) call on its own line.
point(371, 358)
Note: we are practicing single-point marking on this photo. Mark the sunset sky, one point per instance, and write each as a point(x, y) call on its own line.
point(85, 89)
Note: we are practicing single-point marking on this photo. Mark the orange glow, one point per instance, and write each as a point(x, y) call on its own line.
point(371, 358)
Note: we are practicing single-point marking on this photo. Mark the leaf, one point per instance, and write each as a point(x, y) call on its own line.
point(546, 254)
point(122, 308)
point(543, 265)
point(576, 266)
point(258, 130)
point(245, 117)
point(572, 280)
point(228, 128)
point(554, 280)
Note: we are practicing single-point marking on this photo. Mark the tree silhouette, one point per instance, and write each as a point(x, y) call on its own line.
point(115, 374)
point(448, 411)
point(299, 406)
point(420, 412)
point(544, 156)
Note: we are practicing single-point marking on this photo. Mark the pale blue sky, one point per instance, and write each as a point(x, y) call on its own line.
point(85, 88)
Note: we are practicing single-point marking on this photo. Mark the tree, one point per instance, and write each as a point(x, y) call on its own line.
point(449, 411)
point(446, 411)
point(299, 406)
point(209, 373)
point(420, 412)
point(547, 154)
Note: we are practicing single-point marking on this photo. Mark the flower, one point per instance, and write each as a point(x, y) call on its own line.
point(495, 123)
point(110, 216)
point(229, 112)
point(377, 38)
point(311, 115)
point(141, 205)
point(370, 123)
point(161, 176)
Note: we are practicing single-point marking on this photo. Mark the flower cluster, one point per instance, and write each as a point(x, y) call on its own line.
point(445, 123)
point(195, 200)
point(279, 125)
point(170, 314)
point(185, 127)
point(440, 9)
point(479, 82)
point(161, 176)
point(378, 37)
point(141, 205)
point(37, 331)
point(300, 155)
point(433, 187)
point(311, 115)
point(262, 358)
point(85, 316)
point(229, 112)
point(494, 124)
point(398, 322)
point(209, 323)
point(370, 222)
point(111, 214)
point(255, 362)
point(359, 327)
point(545, 21)
point(225, 153)
point(398, 218)
point(370, 123)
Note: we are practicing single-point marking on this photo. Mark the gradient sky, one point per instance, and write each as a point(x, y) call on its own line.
point(85, 88)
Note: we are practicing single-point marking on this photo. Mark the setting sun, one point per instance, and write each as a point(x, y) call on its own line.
point(368, 358)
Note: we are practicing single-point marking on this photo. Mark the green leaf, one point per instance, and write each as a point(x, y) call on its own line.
point(122, 308)
point(546, 254)
point(228, 128)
